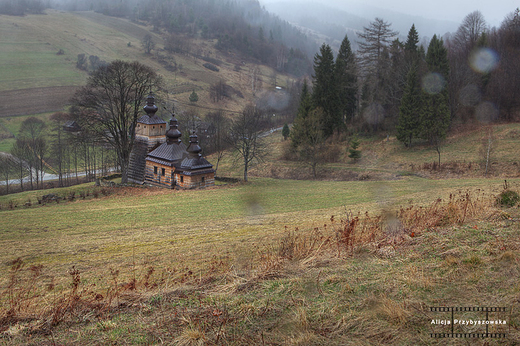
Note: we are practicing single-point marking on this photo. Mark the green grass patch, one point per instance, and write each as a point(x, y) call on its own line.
point(215, 255)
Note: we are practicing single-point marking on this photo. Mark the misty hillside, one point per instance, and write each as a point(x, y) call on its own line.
point(337, 19)
point(46, 54)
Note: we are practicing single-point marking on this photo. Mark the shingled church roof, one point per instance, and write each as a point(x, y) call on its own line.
point(168, 153)
point(174, 153)
point(171, 152)
point(194, 160)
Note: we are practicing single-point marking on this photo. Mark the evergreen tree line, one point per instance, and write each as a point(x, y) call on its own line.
point(416, 92)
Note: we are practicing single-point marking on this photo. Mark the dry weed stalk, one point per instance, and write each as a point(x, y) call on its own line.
point(21, 292)
point(457, 210)
point(355, 231)
point(301, 246)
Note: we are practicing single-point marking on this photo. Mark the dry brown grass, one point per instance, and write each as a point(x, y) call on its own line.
point(393, 311)
point(309, 287)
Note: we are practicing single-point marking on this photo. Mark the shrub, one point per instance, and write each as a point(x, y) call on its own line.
point(211, 67)
point(508, 198)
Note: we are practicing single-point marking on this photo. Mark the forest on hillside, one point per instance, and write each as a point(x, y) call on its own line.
point(243, 27)
point(405, 88)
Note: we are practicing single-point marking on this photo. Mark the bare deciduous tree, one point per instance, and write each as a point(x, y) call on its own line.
point(32, 133)
point(148, 43)
point(472, 27)
point(7, 166)
point(111, 102)
point(375, 38)
point(218, 131)
point(218, 91)
point(310, 149)
point(244, 137)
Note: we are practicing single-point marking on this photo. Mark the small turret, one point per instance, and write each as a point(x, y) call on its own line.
point(194, 149)
point(173, 135)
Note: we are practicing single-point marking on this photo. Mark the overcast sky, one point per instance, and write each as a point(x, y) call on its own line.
point(494, 11)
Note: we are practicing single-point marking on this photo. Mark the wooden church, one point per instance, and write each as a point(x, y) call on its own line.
point(160, 158)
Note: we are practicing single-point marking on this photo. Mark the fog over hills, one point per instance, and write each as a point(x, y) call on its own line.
point(334, 18)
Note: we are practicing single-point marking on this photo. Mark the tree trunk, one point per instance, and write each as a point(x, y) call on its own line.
point(124, 172)
point(31, 176)
point(21, 173)
point(245, 170)
point(488, 152)
point(7, 180)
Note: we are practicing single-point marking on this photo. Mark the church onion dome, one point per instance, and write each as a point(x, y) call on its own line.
point(150, 107)
point(173, 135)
point(150, 118)
point(194, 149)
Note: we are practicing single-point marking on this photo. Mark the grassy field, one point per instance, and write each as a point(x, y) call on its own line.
point(161, 223)
point(220, 250)
point(263, 262)
point(29, 60)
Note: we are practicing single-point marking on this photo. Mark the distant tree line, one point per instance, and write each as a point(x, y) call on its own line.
point(243, 27)
point(414, 91)
point(21, 7)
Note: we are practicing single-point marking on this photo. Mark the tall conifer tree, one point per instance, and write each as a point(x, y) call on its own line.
point(375, 63)
point(435, 119)
point(346, 76)
point(410, 109)
point(412, 40)
point(325, 90)
point(299, 131)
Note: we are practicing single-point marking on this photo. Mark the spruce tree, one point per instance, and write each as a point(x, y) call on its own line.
point(437, 58)
point(411, 50)
point(354, 153)
point(346, 76)
point(285, 131)
point(194, 97)
point(412, 40)
point(421, 53)
point(410, 109)
point(325, 90)
point(435, 117)
point(298, 132)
